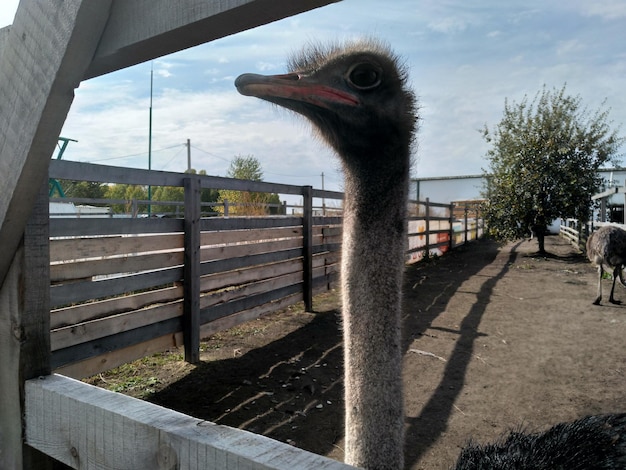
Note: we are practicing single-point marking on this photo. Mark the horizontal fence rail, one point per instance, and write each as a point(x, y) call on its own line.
point(125, 287)
point(577, 233)
point(88, 427)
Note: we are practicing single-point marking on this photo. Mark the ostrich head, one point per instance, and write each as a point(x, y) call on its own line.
point(356, 96)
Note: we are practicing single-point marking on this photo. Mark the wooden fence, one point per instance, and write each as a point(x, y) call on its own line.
point(434, 228)
point(577, 233)
point(123, 288)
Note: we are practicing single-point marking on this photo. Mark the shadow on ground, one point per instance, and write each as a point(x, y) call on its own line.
point(292, 388)
point(426, 429)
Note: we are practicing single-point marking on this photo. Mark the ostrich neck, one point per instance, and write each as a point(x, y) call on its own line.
point(372, 265)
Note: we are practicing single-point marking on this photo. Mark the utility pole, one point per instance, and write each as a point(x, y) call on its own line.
point(189, 155)
point(150, 140)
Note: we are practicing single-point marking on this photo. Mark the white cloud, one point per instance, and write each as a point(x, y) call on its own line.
point(606, 9)
point(465, 59)
point(448, 25)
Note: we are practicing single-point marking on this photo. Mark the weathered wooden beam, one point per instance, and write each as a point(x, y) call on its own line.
point(87, 427)
point(44, 57)
point(24, 335)
point(141, 30)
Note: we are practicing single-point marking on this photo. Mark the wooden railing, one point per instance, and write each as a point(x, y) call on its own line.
point(123, 288)
point(577, 234)
point(434, 228)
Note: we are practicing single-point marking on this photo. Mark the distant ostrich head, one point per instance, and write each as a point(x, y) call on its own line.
point(357, 97)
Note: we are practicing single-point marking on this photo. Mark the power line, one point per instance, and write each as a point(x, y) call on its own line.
point(210, 153)
point(135, 154)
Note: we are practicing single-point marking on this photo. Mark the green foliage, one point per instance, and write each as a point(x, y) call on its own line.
point(247, 202)
point(169, 194)
point(84, 189)
point(543, 162)
point(127, 192)
point(245, 168)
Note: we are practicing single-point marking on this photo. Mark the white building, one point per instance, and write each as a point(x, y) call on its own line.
point(446, 189)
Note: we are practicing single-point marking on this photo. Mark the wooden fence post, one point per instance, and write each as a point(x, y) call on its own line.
point(465, 225)
point(24, 335)
point(476, 221)
point(307, 247)
point(191, 270)
point(451, 244)
point(427, 223)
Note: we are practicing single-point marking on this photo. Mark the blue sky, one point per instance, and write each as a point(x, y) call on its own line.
point(465, 57)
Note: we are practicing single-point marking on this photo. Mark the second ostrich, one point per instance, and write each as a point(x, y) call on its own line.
point(607, 247)
point(358, 99)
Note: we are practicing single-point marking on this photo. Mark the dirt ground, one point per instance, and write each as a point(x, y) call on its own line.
point(495, 338)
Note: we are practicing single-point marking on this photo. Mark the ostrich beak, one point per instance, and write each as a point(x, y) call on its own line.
point(294, 87)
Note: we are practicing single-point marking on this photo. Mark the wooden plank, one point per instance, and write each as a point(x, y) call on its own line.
point(142, 30)
point(45, 56)
point(250, 289)
point(85, 248)
point(326, 220)
point(72, 335)
point(61, 227)
point(117, 357)
point(237, 236)
point(238, 318)
point(241, 276)
point(326, 194)
point(221, 310)
point(91, 311)
point(65, 294)
point(127, 263)
point(24, 335)
point(248, 249)
point(65, 169)
point(249, 223)
point(230, 264)
point(71, 420)
point(123, 339)
point(191, 274)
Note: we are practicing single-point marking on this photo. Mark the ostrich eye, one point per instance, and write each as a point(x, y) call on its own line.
point(365, 76)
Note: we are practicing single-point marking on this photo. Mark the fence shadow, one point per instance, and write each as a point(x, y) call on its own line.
point(426, 428)
point(292, 388)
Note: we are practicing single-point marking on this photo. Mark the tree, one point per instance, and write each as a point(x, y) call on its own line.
point(177, 194)
point(128, 193)
point(543, 163)
point(247, 202)
point(81, 189)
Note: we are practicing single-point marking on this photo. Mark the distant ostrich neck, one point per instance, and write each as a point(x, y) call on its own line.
point(372, 260)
